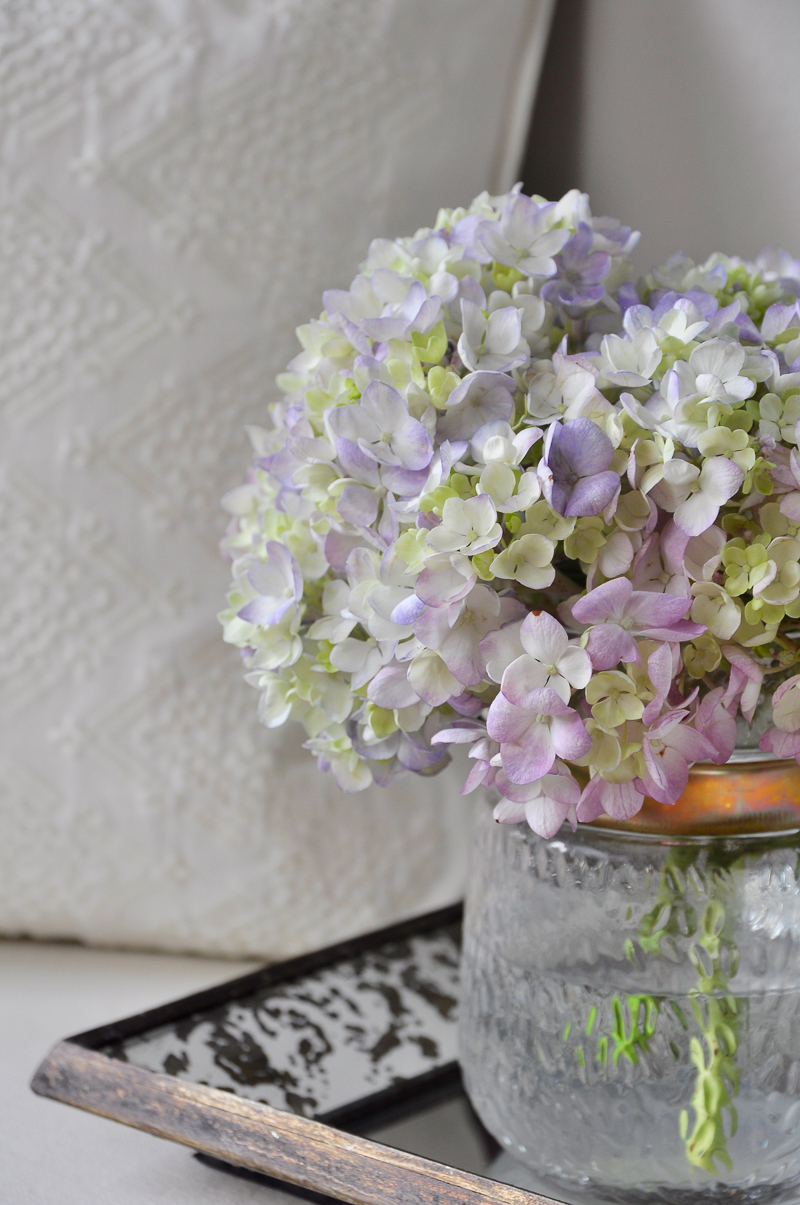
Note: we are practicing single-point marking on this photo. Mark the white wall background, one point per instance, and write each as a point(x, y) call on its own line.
point(179, 180)
point(679, 117)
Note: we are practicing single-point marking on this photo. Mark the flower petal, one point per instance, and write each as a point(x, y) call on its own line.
point(431, 679)
point(591, 495)
point(782, 744)
point(696, 514)
point(531, 760)
point(586, 448)
point(575, 665)
point(604, 602)
point(390, 688)
point(445, 579)
point(543, 637)
point(608, 644)
point(569, 736)
point(522, 676)
point(462, 654)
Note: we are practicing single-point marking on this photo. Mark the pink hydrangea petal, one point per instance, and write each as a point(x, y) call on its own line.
point(506, 722)
point(433, 627)
point(466, 704)
point(465, 733)
point(669, 774)
point(561, 785)
point(445, 579)
point(520, 793)
point(659, 671)
point(696, 514)
point(590, 805)
point(782, 744)
point(569, 736)
point(481, 775)
point(682, 629)
point(621, 800)
point(744, 684)
point(576, 666)
point(545, 701)
point(500, 648)
point(716, 723)
point(462, 654)
point(673, 544)
point(690, 743)
point(790, 506)
point(652, 610)
point(604, 602)
point(608, 644)
point(532, 760)
point(545, 815)
point(702, 553)
point(618, 800)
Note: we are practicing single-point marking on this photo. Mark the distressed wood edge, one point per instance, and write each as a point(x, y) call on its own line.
point(256, 1136)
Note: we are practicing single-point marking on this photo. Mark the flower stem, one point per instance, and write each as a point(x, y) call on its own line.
point(718, 1015)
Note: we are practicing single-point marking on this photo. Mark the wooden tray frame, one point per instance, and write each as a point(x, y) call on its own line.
point(314, 1154)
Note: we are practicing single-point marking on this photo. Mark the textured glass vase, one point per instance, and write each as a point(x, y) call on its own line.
point(631, 1011)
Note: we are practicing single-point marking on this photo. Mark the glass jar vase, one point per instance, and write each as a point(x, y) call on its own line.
point(631, 1005)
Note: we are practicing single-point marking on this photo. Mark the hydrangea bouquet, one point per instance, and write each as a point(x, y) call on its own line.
point(511, 500)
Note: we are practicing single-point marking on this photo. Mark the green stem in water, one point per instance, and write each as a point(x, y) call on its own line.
point(643, 1016)
point(719, 1018)
point(716, 1012)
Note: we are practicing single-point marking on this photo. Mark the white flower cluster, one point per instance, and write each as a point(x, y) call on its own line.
point(510, 500)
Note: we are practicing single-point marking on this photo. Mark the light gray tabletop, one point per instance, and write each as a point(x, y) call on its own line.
point(54, 1155)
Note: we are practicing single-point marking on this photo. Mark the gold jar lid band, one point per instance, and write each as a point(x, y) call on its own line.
point(738, 797)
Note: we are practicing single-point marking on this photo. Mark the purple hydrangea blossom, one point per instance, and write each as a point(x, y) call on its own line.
point(670, 747)
point(545, 804)
point(277, 583)
point(456, 630)
point(574, 470)
point(480, 398)
point(491, 342)
point(533, 732)
point(403, 306)
point(381, 429)
point(615, 613)
point(783, 738)
point(580, 271)
point(620, 800)
point(524, 238)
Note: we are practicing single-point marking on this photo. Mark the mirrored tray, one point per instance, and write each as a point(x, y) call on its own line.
point(335, 1072)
